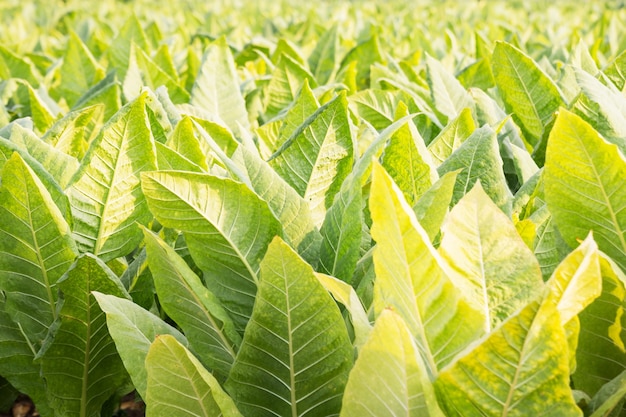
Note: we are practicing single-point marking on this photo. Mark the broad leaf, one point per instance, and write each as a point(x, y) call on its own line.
point(389, 378)
point(601, 353)
point(287, 79)
point(78, 72)
point(209, 329)
point(184, 141)
point(584, 172)
point(323, 59)
point(36, 249)
point(411, 278)
point(528, 93)
point(61, 166)
point(72, 133)
point(179, 385)
point(577, 281)
point(222, 215)
point(432, 207)
point(285, 203)
point(216, 88)
point(449, 96)
point(488, 258)
point(603, 107)
point(408, 161)
point(133, 329)
point(519, 370)
point(318, 156)
point(479, 158)
point(80, 364)
point(364, 55)
point(17, 363)
point(105, 195)
point(452, 136)
point(345, 294)
point(295, 362)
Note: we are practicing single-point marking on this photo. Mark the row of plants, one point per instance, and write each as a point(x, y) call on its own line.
point(347, 209)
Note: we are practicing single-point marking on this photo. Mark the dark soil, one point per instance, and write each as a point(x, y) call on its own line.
point(24, 407)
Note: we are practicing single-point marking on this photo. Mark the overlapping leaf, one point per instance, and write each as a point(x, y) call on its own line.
point(227, 229)
point(389, 377)
point(105, 195)
point(489, 258)
point(36, 248)
point(583, 186)
point(411, 278)
point(296, 362)
point(178, 384)
point(80, 364)
point(195, 309)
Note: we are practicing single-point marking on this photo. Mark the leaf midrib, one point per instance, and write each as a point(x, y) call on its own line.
point(608, 202)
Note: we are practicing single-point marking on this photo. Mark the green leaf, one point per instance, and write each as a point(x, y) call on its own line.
point(285, 203)
point(169, 159)
point(73, 132)
point(14, 66)
point(479, 158)
point(296, 361)
point(345, 294)
point(601, 353)
point(488, 258)
point(407, 160)
point(184, 141)
point(519, 370)
point(342, 232)
point(377, 107)
point(616, 71)
point(133, 330)
point(287, 79)
point(216, 88)
point(528, 93)
point(277, 132)
point(389, 378)
point(449, 96)
point(609, 401)
point(120, 48)
point(61, 166)
point(318, 156)
point(577, 281)
point(17, 363)
point(105, 195)
point(106, 92)
point(35, 247)
point(323, 59)
point(78, 72)
point(153, 76)
point(410, 278)
point(80, 365)
point(209, 329)
point(7, 149)
point(43, 116)
point(222, 215)
point(179, 385)
point(364, 55)
point(432, 207)
point(452, 136)
point(602, 107)
point(584, 172)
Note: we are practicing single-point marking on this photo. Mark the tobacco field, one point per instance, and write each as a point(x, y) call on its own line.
point(313, 209)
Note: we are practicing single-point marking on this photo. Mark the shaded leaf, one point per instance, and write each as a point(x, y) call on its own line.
point(295, 362)
point(178, 384)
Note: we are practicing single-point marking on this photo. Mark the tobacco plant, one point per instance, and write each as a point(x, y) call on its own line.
point(339, 216)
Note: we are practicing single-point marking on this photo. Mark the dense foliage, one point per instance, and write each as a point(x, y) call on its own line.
point(334, 208)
